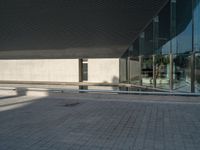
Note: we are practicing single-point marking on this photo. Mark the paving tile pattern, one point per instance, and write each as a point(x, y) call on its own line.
point(47, 124)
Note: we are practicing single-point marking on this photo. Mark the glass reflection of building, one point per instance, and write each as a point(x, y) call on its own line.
point(166, 54)
point(196, 14)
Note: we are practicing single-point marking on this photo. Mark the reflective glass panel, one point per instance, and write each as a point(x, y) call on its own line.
point(182, 73)
point(183, 26)
point(135, 48)
point(135, 70)
point(164, 31)
point(148, 41)
point(162, 71)
point(147, 71)
point(197, 73)
point(197, 25)
point(123, 70)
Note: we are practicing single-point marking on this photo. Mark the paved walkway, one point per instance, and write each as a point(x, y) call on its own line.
point(99, 122)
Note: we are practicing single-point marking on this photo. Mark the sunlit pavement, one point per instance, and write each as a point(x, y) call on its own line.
point(75, 121)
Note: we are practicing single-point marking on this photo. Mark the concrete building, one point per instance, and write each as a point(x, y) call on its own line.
point(152, 43)
point(60, 70)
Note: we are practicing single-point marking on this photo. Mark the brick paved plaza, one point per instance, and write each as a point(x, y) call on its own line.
point(99, 122)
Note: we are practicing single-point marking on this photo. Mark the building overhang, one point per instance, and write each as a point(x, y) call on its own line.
point(72, 28)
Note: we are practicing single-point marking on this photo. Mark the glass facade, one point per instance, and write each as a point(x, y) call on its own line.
point(197, 73)
point(162, 60)
point(197, 44)
point(166, 54)
point(197, 25)
point(162, 73)
point(183, 26)
point(182, 72)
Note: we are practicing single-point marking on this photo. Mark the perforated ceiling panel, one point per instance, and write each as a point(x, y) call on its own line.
point(71, 28)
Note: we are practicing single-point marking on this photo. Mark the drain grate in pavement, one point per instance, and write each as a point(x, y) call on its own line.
point(71, 104)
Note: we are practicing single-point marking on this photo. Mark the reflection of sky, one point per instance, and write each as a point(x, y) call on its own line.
point(184, 39)
point(166, 48)
point(181, 43)
point(197, 26)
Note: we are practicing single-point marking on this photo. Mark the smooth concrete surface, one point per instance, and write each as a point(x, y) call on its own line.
point(59, 70)
point(99, 122)
point(52, 70)
point(104, 88)
point(103, 70)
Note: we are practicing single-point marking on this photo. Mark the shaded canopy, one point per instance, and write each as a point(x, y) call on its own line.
point(72, 28)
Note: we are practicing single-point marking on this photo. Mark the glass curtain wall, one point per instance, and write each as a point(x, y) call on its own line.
point(162, 61)
point(166, 55)
point(123, 68)
point(135, 63)
point(197, 44)
point(147, 56)
point(197, 73)
point(183, 49)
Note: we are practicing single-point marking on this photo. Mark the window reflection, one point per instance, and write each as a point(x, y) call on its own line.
point(182, 73)
point(162, 72)
point(197, 25)
point(197, 73)
point(164, 31)
point(148, 41)
point(162, 55)
point(135, 70)
point(197, 44)
point(147, 71)
point(184, 26)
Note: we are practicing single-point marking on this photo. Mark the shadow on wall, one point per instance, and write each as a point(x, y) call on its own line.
point(114, 80)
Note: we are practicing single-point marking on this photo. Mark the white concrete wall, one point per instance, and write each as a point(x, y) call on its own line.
point(103, 70)
point(53, 70)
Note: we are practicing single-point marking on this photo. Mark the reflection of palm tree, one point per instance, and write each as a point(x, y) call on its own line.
point(159, 70)
point(161, 62)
